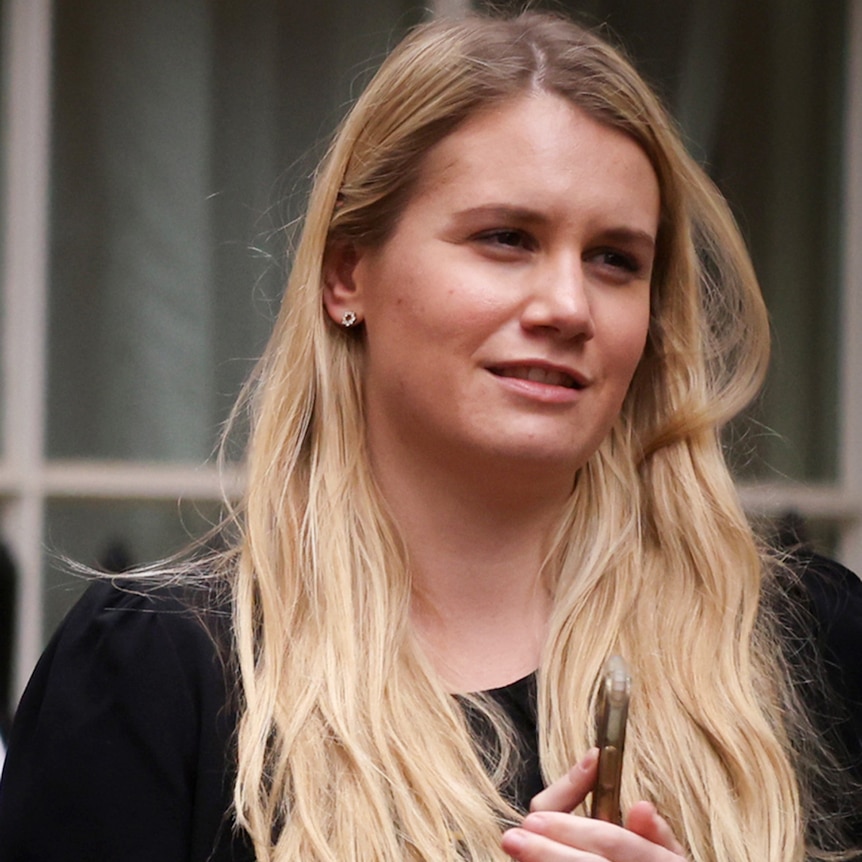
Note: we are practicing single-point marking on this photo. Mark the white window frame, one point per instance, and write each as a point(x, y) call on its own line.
point(29, 480)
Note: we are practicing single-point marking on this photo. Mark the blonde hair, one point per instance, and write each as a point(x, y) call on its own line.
point(349, 747)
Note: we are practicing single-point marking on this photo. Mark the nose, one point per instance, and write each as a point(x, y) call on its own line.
point(558, 301)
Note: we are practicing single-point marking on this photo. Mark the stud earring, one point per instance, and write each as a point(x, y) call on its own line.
point(349, 319)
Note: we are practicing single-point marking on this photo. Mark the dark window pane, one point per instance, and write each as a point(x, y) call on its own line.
point(180, 134)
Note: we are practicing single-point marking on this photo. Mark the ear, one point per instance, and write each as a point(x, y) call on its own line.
point(342, 291)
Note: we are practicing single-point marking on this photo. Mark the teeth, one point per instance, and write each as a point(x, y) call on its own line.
point(540, 375)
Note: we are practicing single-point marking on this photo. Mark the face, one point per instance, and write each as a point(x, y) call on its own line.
point(506, 313)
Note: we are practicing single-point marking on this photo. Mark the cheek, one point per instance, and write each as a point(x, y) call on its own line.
point(634, 349)
point(629, 335)
point(448, 322)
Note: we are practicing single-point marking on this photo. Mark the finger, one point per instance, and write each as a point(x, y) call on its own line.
point(568, 792)
point(592, 839)
point(526, 846)
point(644, 820)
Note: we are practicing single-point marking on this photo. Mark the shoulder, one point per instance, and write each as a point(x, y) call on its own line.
point(129, 614)
point(141, 640)
point(820, 608)
point(830, 598)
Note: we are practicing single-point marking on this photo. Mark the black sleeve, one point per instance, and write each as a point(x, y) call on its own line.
point(119, 747)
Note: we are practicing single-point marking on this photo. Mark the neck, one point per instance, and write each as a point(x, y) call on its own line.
point(477, 541)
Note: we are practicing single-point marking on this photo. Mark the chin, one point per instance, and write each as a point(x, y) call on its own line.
point(558, 450)
point(559, 460)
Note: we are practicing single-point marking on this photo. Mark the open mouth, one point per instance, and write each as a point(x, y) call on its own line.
point(548, 376)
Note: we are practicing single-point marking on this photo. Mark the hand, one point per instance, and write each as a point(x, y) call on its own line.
point(549, 833)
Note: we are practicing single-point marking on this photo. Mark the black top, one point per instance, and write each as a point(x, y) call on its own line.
point(121, 747)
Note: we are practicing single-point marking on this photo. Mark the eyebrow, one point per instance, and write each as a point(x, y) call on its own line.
point(634, 236)
point(525, 215)
point(503, 211)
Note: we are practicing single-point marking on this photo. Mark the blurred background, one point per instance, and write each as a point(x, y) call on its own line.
point(153, 157)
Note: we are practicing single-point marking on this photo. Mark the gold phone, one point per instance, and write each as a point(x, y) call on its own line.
point(612, 711)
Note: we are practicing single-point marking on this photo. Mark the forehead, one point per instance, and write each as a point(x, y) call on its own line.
point(542, 151)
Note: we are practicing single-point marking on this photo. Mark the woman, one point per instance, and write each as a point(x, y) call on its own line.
point(484, 457)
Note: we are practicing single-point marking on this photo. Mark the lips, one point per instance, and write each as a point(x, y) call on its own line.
point(541, 374)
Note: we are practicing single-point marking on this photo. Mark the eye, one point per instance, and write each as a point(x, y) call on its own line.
point(506, 239)
point(619, 266)
point(618, 260)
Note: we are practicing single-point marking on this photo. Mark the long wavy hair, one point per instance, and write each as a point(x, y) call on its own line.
point(349, 747)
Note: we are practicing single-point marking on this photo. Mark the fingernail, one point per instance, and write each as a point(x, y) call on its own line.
point(514, 840)
point(588, 760)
